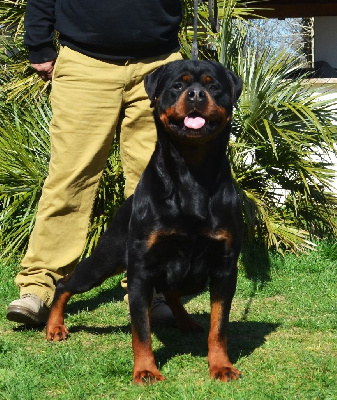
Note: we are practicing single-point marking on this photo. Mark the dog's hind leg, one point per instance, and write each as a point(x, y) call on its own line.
point(89, 273)
point(56, 330)
point(108, 259)
point(183, 319)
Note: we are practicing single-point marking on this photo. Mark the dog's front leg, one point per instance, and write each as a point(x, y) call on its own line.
point(140, 297)
point(221, 292)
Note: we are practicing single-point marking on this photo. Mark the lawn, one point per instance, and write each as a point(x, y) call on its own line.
point(282, 337)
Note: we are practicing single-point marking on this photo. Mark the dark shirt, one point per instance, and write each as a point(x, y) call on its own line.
point(105, 29)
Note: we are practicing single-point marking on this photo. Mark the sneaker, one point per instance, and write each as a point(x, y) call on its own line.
point(28, 310)
point(161, 313)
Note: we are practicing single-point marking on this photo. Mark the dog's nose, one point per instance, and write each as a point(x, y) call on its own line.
point(196, 95)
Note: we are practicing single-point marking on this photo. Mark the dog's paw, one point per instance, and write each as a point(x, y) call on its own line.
point(225, 373)
point(57, 333)
point(147, 377)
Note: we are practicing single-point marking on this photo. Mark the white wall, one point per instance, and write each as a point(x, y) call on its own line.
point(327, 89)
point(325, 40)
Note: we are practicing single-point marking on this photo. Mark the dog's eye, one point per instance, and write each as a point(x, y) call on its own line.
point(177, 86)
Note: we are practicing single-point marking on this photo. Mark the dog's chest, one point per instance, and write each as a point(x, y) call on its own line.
point(184, 260)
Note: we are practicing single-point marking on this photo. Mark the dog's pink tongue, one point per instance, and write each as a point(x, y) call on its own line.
point(194, 123)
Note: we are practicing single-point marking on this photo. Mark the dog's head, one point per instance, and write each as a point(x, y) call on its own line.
point(193, 99)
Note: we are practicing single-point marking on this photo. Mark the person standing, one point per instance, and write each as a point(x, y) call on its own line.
point(106, 50)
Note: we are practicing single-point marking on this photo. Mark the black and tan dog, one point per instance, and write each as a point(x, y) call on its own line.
point(182, 227)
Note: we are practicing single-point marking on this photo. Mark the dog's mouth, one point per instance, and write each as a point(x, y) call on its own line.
point(194, 124)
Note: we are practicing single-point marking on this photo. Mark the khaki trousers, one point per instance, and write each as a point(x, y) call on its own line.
point(88, 98)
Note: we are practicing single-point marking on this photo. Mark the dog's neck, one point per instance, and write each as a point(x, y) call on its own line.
point(204, 161)
point(195, 156)
point(198, 168)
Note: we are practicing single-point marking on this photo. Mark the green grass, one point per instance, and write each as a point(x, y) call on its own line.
point(282, 337)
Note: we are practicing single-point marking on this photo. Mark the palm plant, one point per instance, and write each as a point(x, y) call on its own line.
point(18, 80)
point(24, 144)
point(283, 137)
point(208, 41)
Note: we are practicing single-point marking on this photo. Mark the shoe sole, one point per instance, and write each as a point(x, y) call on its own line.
point(24, 316)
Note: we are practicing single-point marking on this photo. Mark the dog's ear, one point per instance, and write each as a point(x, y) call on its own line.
point(236, 85)
point(152, 82)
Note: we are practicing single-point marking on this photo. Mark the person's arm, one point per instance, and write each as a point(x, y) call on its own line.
point(39, 36)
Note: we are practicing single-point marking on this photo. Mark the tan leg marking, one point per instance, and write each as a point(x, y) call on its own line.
point(184, 321)
point(56, 330)
point(219, 365)
point(144, 368)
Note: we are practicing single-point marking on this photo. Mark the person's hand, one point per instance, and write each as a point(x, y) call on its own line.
point(45, 70)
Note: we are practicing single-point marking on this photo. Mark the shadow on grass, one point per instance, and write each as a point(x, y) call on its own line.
point(105, 296)
point(256, 264)
point(244, 338)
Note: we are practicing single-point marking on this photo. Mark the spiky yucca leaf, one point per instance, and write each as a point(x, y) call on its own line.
point(12, 14)
point(208, 41)
point(24, 155)
point(18, 80)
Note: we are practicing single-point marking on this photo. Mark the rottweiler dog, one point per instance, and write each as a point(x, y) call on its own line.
point(182, 228)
